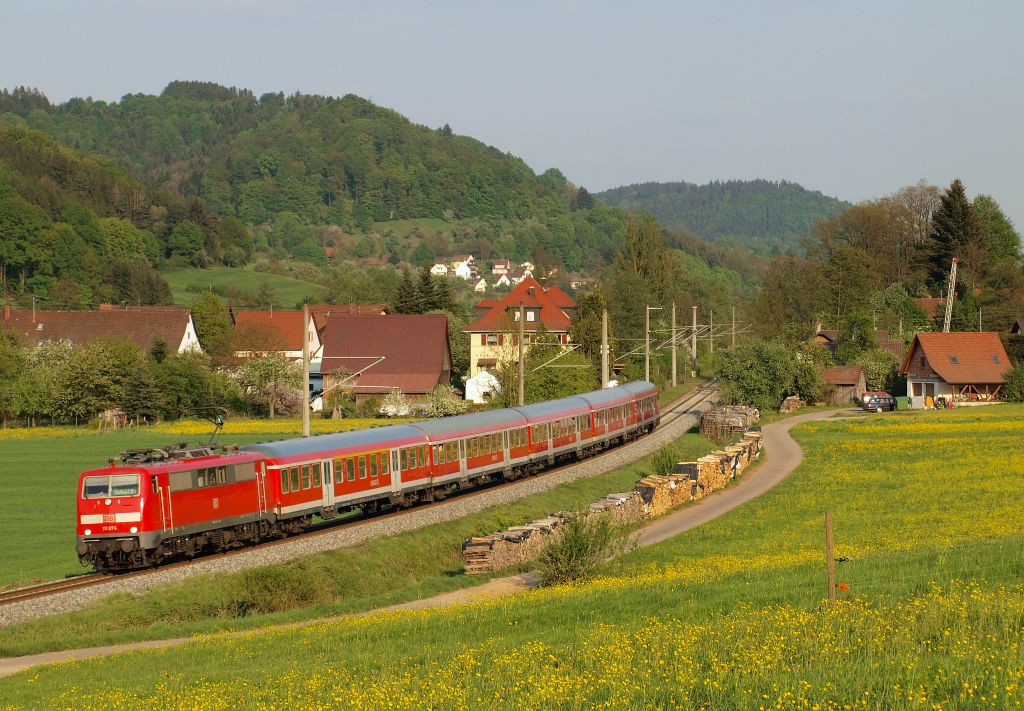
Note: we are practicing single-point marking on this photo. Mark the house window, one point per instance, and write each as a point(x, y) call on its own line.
point(995, 359)
point(922, 361)
point(492, 339)
point(531, 315)
point(954, 360)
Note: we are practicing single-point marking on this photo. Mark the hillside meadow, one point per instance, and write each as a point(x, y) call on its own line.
point(729, 615)
point(186, 285)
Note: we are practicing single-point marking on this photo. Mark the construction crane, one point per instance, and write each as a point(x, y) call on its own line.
point(950, 293)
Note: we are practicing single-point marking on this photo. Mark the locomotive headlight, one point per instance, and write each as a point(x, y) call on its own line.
point(87, 531)
point(134, 529)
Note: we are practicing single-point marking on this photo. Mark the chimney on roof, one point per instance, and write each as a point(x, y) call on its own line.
point(543, 283)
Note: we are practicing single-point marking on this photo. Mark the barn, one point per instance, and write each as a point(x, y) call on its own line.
point(846, 383)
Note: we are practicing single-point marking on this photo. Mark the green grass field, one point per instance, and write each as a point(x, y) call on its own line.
point(386, 571)
point(729, 615)
point(40, 478)
point(187, 283)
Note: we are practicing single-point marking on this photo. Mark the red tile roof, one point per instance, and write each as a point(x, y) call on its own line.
point(980, 356)
point(414, 347)
point(531, 294)
point(278, 330)
point(560, 298)
point(843, 374)
point(143, 325)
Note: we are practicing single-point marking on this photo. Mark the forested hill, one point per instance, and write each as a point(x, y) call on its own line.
point(76, 229)
point(763, 215)
point(340, 161)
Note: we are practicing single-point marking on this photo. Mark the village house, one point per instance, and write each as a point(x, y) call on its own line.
point(481, 286)
point(963, 366)
point(499, 266)
point(275, 332)
point(846, 383)
point(503, 282)
point(493, 336)
point(463, 266)
point(371, 356)
point(518, 274)
point(439, 269)
point(145, 326)
point(581, 282)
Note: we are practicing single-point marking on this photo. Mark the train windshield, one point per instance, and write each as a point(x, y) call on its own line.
point(115, 485)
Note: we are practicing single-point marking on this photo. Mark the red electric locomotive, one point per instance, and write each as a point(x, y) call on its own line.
point(181, 501)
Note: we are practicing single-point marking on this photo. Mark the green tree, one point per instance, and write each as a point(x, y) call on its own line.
point(407, 301)
point(1000, 237)
point(881, 369)
point(213, 326)
point(954, 226)
point(190, 385)
point(271, 381)
point(762, 373)
point(1014, 387)
point(426, 294)
point(444, 401)
point(12, 363)
point(142, 400)
point(188, 242)
point(586, 325)
point(856, 335)
point(586, 542)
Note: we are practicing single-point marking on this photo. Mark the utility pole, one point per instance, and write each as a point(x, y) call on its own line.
point(647, 340)
point(693, 345)
point(830, 558)
point(733, 326)
point(305, 369)
point(673, 344)
point(604, 348)
point(522, 364)
point(711, 331)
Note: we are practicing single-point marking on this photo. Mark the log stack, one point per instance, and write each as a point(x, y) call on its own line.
point(728, 422)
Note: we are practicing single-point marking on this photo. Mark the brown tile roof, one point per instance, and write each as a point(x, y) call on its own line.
point(143, 325)
point(278, 330)
point(349, 309)
point(843, 374)
point(531, 294)
point(980, 356)
point(415, 350)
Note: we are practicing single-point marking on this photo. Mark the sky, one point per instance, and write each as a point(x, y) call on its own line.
point(854, 99)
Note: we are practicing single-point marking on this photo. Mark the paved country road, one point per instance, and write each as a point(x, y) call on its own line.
point(782, 456)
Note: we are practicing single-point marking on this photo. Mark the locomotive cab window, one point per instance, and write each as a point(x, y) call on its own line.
point(115, 485)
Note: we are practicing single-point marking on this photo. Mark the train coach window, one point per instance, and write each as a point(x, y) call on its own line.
point(424, 456)
point(284, 480)
point(404, 457)
point(294, 472)
point(362, 467)
point(384, 463)
point(350, 469)
point(305, 476)
point(373, 465)
point(317, 481)
point(437, 454)
point(339, 471)
point(412, 457)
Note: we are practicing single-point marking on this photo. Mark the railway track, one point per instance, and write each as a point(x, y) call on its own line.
point(679, 407)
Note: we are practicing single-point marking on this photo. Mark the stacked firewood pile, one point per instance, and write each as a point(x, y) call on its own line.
point(651, 496)
point(727, 422)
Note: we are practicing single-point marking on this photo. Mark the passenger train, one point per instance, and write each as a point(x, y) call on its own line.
point(184, 501)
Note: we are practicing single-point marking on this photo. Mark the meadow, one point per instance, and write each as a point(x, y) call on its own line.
point(728, 615)
point(186, 284)
point(385, 571)
point(40, 468)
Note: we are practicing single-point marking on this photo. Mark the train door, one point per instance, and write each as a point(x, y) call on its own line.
point(327, 483)
point(396, 472)
point(261, 486)
point(166, 511)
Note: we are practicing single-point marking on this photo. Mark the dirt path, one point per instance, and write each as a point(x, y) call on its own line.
point(783, 456)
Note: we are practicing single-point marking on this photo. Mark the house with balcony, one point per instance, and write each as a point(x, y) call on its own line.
point(965, 367)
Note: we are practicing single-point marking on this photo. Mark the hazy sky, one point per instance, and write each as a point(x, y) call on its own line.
point(855, 99)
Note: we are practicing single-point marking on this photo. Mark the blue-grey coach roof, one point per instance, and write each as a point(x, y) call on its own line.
point(638, 387)
point(448, 426)
point(602, 398)
point(337, 440)
point(553, 408)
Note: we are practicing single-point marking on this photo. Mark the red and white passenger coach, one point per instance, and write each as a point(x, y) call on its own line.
point(182, 501)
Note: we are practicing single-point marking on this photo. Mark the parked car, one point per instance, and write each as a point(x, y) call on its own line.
point(878, 402)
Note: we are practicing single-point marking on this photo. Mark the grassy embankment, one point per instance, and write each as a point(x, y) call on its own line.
point(186, 284)
point(729, 615)
point(394, 569)
point(40, 478)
